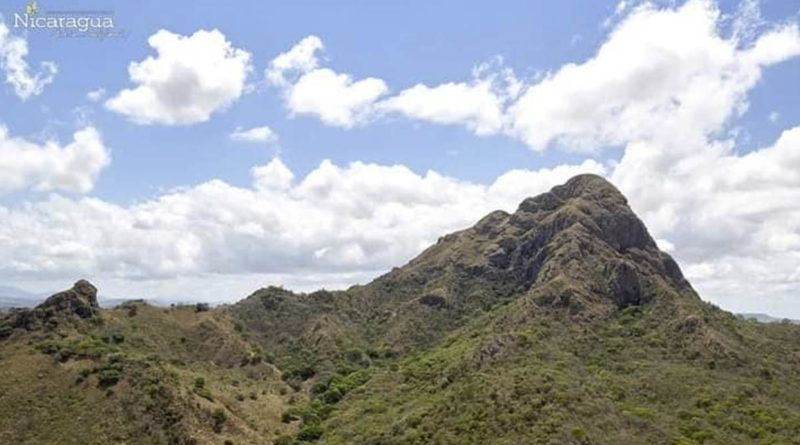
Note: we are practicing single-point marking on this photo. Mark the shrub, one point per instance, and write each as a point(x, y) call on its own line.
point(5, 331)
point(218, 417)
point(108, 377)
point(285, 440)
point(202, 307)
point(310, 433)
point(303, 372)
point(199, 383)
point(332, 396)
point(288, 417)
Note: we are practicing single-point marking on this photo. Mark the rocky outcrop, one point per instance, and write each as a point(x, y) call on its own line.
point(77, 303)
point(81, 301)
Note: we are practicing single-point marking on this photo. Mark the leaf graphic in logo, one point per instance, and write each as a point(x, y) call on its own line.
point(32, 8)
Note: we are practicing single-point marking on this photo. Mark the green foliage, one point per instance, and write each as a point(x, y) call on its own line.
point(5, 331)
point(108, 377)
point(310, 433)
point(218, 419)
point(199, 383)
point(288, 417)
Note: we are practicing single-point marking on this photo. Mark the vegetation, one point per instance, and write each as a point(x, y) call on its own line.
point(559, 324)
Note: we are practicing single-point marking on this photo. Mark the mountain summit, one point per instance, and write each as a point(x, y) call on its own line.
point(560, 323)
point(577, 248)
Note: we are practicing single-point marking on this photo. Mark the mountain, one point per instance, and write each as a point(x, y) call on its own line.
point(14, 297)
point(560, 323)
point(764, 318)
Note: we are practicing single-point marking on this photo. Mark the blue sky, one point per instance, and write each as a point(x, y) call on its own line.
point(399, 45)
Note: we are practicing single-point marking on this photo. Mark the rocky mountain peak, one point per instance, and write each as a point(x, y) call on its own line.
point(595, 204)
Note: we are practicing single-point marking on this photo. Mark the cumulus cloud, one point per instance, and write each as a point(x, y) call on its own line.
point(335, 98)
point(254, 135)
point(301, 58)
point(13, 51)
point(479, 104)
point(353, 220)
point(188, 79)
point(50, 166)
point(647, 80)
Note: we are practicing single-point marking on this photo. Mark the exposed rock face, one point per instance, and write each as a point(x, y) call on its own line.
point(625, 286)
point(81, 300)
point(578, 249)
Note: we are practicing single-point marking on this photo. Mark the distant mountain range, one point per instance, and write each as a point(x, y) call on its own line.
point(764, 318)
point(14, 297)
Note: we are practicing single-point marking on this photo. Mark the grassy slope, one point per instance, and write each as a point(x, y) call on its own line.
point(628, 380)
point(50, 389)
point(559, 324)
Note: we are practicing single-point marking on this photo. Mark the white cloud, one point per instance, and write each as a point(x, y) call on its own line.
point(774, 117)
point(13, 50)
point(301, 58)
point(339, 100)
point(479, 104)
point(272, 176)
point(336, 98)
point(50, 166)
point(255, 135)
point(190, 78)
point(96, 95)
point(352, 221)
point(647, 80)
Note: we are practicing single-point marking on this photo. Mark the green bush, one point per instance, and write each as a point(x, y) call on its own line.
point(108, 377)
point(310, 433)
point(218, 417)
point(5, 331)
point(303, 372)
point(288, 417)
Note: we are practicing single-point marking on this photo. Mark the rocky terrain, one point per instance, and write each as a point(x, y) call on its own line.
point(561, 323)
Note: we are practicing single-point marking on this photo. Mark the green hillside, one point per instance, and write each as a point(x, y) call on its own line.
point(561, 323)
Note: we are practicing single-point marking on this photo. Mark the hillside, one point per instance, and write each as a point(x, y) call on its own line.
point(561, 323)
point(71, 373)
